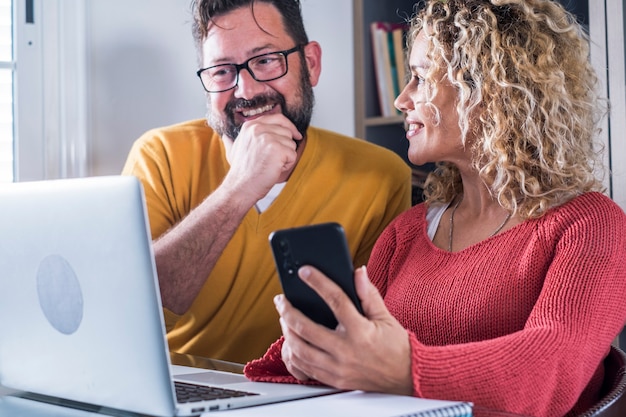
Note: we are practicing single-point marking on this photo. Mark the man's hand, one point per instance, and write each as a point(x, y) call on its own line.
point(263, 154)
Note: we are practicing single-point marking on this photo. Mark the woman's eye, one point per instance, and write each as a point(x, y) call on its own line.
point(417, 79)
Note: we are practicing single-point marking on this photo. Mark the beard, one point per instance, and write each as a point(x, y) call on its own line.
point(299, 114)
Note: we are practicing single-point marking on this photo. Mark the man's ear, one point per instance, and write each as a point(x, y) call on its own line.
point(313, 59)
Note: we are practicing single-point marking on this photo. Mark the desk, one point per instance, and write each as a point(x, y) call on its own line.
point(15, 404)
point(205, 363)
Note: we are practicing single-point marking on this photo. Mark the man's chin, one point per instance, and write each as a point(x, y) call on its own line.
point(221, 129)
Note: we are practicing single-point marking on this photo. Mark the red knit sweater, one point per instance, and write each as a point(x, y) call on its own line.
point(518, 322)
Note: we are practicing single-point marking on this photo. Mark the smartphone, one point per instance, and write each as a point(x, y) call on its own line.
point(323, 246)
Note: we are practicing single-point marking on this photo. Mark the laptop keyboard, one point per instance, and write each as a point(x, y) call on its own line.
point(190, 392)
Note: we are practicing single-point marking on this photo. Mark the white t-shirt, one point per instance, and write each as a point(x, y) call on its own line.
point(266, 201)
point(433, 217)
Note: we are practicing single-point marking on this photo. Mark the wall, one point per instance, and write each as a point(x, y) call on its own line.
point(330, 23)
point(142, 63)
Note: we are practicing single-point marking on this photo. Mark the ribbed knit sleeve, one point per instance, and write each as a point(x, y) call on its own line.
point(518, 322)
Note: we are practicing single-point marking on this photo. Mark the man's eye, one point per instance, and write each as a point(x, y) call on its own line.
point(267, 60)
point(221, 72)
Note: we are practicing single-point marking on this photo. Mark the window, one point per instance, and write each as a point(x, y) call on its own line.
point(6, 91)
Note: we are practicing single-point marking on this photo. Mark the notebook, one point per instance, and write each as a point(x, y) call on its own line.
point(363, 404)
point(80, 313)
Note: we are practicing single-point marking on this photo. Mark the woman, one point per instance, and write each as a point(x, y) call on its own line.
point(506, 286)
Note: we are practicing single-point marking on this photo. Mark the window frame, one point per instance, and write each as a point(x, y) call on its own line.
point(51, 106)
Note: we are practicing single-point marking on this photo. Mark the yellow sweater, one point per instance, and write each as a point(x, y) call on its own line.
point(355, 183)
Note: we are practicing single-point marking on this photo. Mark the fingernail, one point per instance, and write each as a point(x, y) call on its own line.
point(304, 272)
point(278, 299)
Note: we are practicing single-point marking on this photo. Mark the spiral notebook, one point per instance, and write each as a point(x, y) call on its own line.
point(360, 404)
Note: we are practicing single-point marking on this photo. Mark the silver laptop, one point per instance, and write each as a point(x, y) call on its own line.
point(80, 310)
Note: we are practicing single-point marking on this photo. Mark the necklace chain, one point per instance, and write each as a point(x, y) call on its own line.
point(495, 232)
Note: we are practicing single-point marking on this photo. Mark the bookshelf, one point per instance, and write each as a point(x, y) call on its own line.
point(369, 123)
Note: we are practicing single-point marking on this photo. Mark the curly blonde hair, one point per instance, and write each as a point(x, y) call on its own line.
point(522, 67)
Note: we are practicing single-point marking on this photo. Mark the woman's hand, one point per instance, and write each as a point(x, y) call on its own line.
point(370, 353)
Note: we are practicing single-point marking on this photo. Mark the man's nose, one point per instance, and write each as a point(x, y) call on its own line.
point(247, 87)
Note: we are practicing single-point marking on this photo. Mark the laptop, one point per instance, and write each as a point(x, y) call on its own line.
point(80, 310)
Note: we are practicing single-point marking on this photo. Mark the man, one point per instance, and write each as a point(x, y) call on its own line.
point(214, 194)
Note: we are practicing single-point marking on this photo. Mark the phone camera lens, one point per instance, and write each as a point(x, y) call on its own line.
point(284, 246)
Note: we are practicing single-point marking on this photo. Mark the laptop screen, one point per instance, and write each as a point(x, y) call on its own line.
point(80, 315)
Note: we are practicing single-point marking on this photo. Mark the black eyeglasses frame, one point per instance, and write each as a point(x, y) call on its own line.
point(244, 65)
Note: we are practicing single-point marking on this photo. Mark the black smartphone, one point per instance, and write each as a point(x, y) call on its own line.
point(323, 246)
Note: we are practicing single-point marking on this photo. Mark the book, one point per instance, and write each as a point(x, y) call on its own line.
point(398, 34)
point(393, 61)
point(359, 404)
point(382, 68)
point(389, 63)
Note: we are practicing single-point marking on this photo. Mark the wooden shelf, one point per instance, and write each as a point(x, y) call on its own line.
point(381, 121)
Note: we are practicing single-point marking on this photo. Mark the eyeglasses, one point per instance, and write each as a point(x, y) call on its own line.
point(265, 67)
